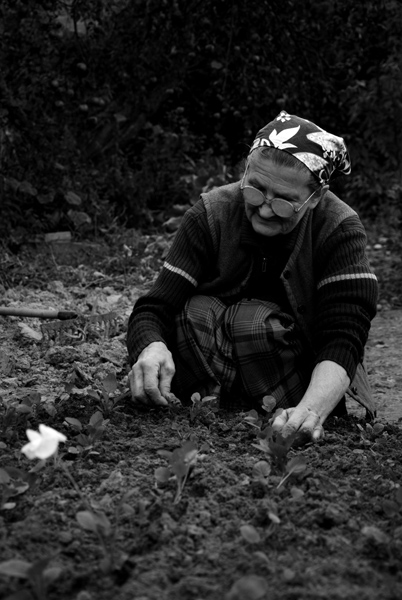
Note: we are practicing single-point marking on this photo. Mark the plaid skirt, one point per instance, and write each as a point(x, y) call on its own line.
point(246, 350)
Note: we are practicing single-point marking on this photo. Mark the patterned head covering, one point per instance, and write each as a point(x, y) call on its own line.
point(322, 152)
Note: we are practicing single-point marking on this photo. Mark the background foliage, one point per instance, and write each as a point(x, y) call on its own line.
point(111, 111)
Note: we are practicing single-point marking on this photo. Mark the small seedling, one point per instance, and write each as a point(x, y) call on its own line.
point(97, 522)
point(95, 430)
point(107, 403)
point(181, 460)
point(371, 432)
point(39, 575)
point(268, 404)
point(275, 446)
point(272, 514)
point(206, 408)
point(261, 471)
point(294, 466)
point(13, 482)
point(253, 419)
point(16, 412)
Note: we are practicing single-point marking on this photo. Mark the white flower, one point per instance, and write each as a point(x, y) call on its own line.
point(42, 444)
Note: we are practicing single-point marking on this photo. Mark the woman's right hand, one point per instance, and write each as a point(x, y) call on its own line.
point(151, 376)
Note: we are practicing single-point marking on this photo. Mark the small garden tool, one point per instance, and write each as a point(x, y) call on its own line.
point(66, 324)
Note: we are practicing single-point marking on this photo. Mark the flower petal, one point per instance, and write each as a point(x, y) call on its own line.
point(50, 433)
point(47, 448)
point(33, 436)
point(29, 451)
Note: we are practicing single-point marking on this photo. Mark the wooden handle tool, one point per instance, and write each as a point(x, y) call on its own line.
point(39, 313)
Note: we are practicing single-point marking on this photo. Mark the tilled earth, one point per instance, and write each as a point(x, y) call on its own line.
point(333, 531)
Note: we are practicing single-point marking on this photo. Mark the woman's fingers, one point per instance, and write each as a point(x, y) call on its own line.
point(303, 422)
point(151, 385)
point(166, 374)
point(281, 420)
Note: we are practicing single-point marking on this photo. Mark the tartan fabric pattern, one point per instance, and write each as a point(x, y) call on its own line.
point(251, 338)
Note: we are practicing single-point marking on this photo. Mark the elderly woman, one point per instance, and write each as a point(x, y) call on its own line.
point(266, 290)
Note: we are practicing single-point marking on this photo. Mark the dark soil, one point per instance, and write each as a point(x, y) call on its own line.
point(333, 532)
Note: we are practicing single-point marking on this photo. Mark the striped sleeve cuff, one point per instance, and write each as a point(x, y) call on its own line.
point(180, 272)
point(345, 277)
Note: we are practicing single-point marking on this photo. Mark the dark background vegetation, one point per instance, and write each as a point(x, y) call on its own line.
point(112, 111)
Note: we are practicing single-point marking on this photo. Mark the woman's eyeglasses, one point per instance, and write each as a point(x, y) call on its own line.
point(279, 206)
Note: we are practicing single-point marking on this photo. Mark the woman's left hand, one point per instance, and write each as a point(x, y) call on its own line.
point(329, 382)
point(299, 420)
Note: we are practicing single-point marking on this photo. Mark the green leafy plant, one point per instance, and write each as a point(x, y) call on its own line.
point(268, 404)
point(13, 482)
point(254, 419)
point(16, 412)
point(107, 402)
point(181, 462)
point(203, 408)
point(39, 574)
point(275, 446)
point(370, 433)
point(84, 442)
point(294, 466)
point(98, 523)
point(261, 471)
point(44, 444)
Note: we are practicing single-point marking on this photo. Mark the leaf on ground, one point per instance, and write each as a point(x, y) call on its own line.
point(249, 587)
point(110, 383)
point(378, 428)
point(252, 415)
point(15, 568)
point(187, 453)
point(273, 517)
point(162, 474)
point(96, 419)
point(94, 521)
point(261, 469)
point(296, 493)
point(250, 534)
point(52, 573)
point(296, 465)
point(29, 333)
point(4, 476)
point(179, 468)
point(75, 423)
point(16, 488)
point(262, 556)
point(72, 198)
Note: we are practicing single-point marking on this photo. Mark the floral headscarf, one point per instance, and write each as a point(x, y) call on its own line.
point(322, 152)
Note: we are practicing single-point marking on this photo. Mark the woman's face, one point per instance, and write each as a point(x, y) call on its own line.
point(276, 181)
